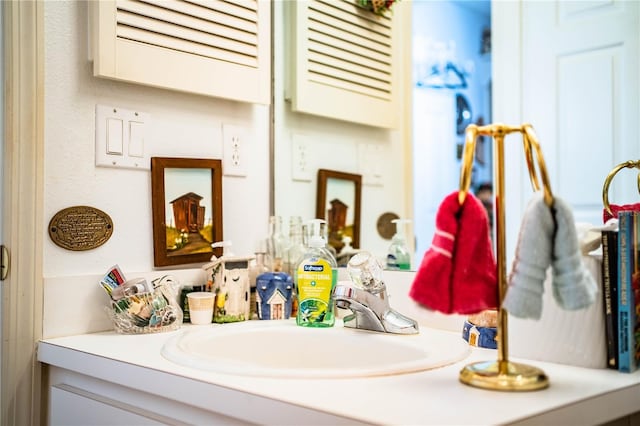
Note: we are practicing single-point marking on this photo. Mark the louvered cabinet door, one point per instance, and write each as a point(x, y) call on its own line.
point(210, 47)
point(346, 62)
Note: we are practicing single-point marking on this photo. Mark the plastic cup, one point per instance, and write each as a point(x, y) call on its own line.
point(201, 307)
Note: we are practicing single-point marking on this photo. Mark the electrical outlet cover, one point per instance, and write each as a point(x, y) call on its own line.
point(300, 158)
point(234, 161)
point(370, 162)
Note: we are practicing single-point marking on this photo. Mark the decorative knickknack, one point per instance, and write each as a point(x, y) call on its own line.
point(228, 277)
point(274, 293)
point(379, 7)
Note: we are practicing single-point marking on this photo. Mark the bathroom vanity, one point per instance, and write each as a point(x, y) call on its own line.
point(109, 378)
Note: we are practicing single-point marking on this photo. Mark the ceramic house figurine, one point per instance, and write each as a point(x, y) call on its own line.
point(274, 292)
point(228, 277)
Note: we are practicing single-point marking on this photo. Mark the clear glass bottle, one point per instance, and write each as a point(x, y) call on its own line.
point(296, 247)
point(276, 244)
point(305, 235)
point(258, 267)
point(295, 253)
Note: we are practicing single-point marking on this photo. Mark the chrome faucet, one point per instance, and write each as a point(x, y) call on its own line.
point(366, 297)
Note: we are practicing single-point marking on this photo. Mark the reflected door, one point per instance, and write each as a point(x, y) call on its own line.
point(436, 170)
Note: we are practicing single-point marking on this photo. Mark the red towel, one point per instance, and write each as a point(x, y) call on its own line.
point(458, 272)
point(617, 208)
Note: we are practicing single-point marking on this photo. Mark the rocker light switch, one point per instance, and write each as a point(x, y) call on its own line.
point(120, 138)
point(114, 136)
point(136, 139)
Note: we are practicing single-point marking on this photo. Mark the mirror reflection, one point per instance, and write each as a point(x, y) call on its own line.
point(452, 89)
point(450, 61)
point(338, 203)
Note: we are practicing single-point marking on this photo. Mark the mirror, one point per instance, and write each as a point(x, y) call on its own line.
point(338, 202)
point(304, 144)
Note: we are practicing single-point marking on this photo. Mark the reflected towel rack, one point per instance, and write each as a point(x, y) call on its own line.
point(502, 374)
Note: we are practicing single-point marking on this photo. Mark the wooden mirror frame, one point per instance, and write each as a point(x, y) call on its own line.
point(324, 195)
point(161, 196)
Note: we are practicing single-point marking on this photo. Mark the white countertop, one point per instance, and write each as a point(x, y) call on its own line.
point(575, 395)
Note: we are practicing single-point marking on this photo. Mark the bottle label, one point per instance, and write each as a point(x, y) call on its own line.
point(392, 262)
point(316, 280)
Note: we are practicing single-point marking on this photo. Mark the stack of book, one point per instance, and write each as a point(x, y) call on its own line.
point(621, 292)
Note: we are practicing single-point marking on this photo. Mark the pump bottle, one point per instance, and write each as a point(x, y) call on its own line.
point(398, 257)
point(317, 274)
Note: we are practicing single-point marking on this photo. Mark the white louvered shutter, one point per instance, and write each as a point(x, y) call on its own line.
point(346, 62)
point(217, 48)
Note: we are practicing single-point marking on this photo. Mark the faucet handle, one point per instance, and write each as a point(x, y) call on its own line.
point(365, 271)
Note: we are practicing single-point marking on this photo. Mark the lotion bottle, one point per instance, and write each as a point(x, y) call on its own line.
point(398, 257)
point(317, 274)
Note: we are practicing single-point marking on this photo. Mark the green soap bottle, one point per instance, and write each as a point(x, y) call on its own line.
point(398, 257)
point(317, 274)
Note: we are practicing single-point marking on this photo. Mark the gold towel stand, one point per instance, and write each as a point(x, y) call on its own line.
point(502, 374)
point(605, 189)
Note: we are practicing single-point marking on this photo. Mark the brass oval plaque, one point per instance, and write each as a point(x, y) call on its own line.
point(80, 228)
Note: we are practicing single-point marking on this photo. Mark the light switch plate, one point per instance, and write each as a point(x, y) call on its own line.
point(121, 140)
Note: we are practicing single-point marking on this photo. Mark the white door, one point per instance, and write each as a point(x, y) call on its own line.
point(434, 161)
point(580, 91)
point(571, 69)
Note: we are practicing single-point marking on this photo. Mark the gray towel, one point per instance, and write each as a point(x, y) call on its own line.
point(548, 238)
point(573, 286)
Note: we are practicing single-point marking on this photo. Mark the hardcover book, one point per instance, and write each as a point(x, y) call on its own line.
point(628, 291)
point(610, 294)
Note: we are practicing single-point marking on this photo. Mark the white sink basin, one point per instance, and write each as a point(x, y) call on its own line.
point(283, 349)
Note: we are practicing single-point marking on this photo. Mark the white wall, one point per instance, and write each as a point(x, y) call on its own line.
point(181, 125)
point(332, 145)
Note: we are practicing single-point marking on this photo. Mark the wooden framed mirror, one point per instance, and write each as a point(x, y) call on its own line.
point(338, 202)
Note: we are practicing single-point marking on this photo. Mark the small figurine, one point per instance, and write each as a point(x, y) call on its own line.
point(228, 278)
point(274, 293)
